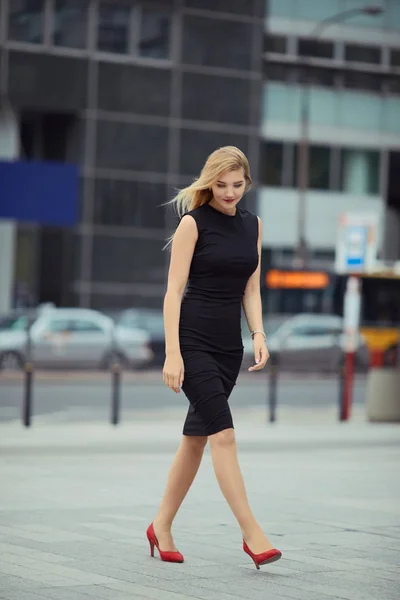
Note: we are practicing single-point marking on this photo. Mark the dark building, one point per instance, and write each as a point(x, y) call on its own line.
point(137, 93)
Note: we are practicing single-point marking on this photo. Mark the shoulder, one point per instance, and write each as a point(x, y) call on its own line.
point(187, 222)
point(250, 218)
point(195, 216)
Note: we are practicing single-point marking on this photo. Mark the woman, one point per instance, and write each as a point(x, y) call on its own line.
point(216, 251)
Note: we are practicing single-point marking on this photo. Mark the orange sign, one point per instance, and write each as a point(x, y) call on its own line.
point(296, 279)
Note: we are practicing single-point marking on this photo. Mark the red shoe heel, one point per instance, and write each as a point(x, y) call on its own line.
point(173, 557)
point(264, 558)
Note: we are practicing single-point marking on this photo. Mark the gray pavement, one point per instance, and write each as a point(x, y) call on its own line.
point(76, 499)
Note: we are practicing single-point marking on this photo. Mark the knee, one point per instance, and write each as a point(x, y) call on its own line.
point(196, 443)
point(224, 438)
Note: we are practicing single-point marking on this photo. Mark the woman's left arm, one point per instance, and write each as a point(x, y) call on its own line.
point(253, 310)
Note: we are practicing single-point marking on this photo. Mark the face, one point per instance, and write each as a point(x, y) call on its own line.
point(228, 190)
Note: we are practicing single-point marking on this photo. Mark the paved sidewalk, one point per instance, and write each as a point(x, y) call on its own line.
point(76, 499)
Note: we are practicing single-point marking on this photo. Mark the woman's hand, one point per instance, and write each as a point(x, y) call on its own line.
point(173, 371)
point(261, 354)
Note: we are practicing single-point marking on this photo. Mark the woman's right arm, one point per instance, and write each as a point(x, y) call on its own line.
point(182, 249)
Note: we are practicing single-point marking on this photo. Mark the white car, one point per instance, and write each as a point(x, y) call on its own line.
point(308, 342)
point(71, 338)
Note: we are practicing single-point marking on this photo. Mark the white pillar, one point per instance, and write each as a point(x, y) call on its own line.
point(9, 150)
point(356, 172)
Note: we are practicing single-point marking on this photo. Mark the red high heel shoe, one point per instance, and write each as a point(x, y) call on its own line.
point(264, 558)
point(173, 557)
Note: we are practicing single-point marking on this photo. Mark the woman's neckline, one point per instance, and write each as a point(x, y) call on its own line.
point(222, 213)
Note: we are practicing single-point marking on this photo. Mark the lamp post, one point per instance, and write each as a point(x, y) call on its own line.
point(301, 255)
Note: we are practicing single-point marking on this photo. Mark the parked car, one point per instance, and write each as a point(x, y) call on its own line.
point(308, 342)
point(152, 321)
point(70, 338)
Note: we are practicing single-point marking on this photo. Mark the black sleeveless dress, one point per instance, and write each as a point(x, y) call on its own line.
point(224, 258)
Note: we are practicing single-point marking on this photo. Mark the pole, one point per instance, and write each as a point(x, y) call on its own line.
point(302, 178)
point(28, 382)
point(348, 386)
point(115, 392)
point(352, 305)
point(273, 388)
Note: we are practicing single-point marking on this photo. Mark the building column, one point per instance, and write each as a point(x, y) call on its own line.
point(9, 150)
point(356, 172)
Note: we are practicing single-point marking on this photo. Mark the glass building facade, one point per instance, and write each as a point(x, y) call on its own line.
point(351, 74)
point(137, 93)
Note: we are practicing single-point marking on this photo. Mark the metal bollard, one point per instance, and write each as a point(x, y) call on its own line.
point(115, 392)
point(341, 390)
point(273, 386)
point(27, 406)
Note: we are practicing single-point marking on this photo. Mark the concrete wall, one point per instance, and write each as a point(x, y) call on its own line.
point(278, 209)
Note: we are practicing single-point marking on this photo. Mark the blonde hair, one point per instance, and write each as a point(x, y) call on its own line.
point(222, 160)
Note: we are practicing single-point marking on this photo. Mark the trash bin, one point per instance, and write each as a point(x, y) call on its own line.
point(382, 401)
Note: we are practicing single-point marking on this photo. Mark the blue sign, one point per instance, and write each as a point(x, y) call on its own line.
point(42, 192)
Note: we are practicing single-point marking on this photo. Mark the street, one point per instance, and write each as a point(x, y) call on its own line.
point(82, 399)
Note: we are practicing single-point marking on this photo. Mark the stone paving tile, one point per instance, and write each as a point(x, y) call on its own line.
point(13, 582)
point(30, 553)
point(23, 595)
point(87, 593)
point(40, 576)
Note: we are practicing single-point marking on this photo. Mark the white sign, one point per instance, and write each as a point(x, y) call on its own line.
point(356, 247)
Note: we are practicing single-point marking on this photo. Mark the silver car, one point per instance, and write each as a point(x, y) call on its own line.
point(308, 342)
point(71, 338)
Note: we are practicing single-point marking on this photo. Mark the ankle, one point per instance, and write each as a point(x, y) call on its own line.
point(162, 524)
point(250, 531)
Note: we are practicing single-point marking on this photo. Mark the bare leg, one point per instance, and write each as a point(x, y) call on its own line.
point(180, 477)
point(229, 476)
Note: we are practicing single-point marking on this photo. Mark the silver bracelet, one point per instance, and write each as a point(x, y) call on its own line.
point(258, 331)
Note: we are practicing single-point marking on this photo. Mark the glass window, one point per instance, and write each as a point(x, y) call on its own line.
point(319, 160)
point(26, 21)
point(47, 82)
point(392, 85)
point(395, 58)
point(130, 203)
point(70, 23)
point(281, 8)
point(315, 76)
point(131, 146)
point(317, 48)
point(113, 28)
point(217, 43)
point(196, 145)
point(144, 260)
point(275, 72)
point(155, 33)
point(365, 54)
point(271, 163)
point(85, 326)
point(391, 15)
point(133, 89)
point(361, 81)
point(275, 43)
point(59, 325)
point(238, 7)
point(360, 171)
point(313, 10)
point(19, 323)
point(198, 89)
